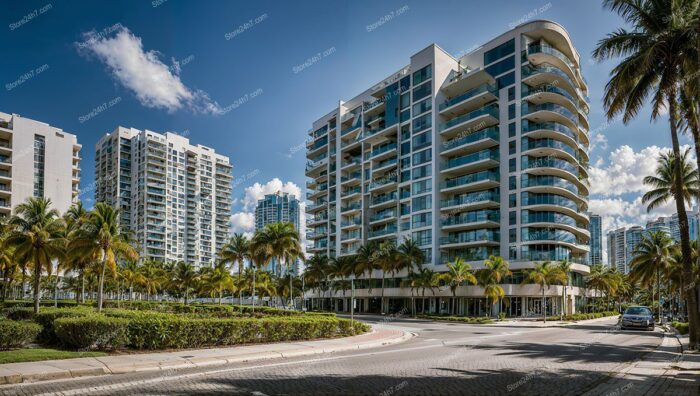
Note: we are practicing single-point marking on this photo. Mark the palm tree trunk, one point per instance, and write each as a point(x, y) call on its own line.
point(658, 292)
point(291, 291)
point(24, 281)
point(544, 304)
point(37, 284)
point(382, 304)
point(240, 287)
point(693, 314)
point(101, 283)
point(253, 290)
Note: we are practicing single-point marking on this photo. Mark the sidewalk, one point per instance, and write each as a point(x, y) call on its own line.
point(13, 373)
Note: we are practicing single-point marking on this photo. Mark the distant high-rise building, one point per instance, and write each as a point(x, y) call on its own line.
point(694, 224)
point(661, 224)
point(174, 196)
point(275, 208)
point(616, 249)
point(632, 238)
point(37, 160)
point(596, 242)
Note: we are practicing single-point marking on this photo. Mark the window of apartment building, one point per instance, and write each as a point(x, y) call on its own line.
point(513, 235)
point(423, 238)
point(501, 66)
point(405, 100)
point(405, 132)
point(422, 203)
point(422, 75)
point(422, 91)
point(423, 122)
point(512, 253)
point(422, 186)
point(511, 147)
point(422, 220)
point(511, 94)
point(39, 164)
point(405, 176)
point(512, 183)
point(422, 171)
point(422, 107)
point(511, 111)
point(505, 80)
point(405, 148)
point(512, 166)
point(422, 140)
point(422, 157)
point(405, 115)
point(512, 218)
point(406, 162)
point(511, 130)
point(405, 208)
point(512, 200)
point(499, 52)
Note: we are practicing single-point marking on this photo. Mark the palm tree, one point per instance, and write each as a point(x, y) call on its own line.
point(386, 258)
point(655, 52)
point(495, 269)
point(260, 254)
point(36, 238)
point(317, 271)
point(652, 257)
point(457, 274)
point(237, 251)
point(131, 273)
point(428, 279)
point(101, 234)
point(151, 277)
point(412, 281)
point(365, 262)
point(565, 268)
point(185, 277)
point(284, 245)
point(411, 256)
point(219, 279)
point(603, 279)
point(544, 274)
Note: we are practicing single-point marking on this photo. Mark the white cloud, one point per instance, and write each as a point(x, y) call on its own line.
point(154, 83)
point(243, 222)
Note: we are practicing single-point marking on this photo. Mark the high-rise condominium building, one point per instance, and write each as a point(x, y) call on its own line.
point(596, 229)
point(274, 208)
point(484, 154)
point(617, 253)
point(633, 236)
point(37, 160)
point(174, 196)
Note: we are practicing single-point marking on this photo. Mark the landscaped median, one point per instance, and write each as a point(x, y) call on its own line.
point(462, 319)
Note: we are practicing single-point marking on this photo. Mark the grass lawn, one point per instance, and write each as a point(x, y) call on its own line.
point(33, 355)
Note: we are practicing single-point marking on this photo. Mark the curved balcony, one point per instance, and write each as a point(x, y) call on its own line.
point(471, 162)
point(549, 93)
point(539, 235)
point(550, 112)
point(544, 53)
point(556, 203)
point(478, 253)
point(478, 140)
point(551, 252)
point(474, 200)
point(473, 182)
point(480, 118)
point(555, 220)
point(382, 200)
point(548, 74)
point(547, 146)
point(470, 100)
point(473, 237)
point(552, 184)
point(552, 130)
point(470, 220)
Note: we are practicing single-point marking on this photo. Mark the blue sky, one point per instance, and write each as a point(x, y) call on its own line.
point(222, 60)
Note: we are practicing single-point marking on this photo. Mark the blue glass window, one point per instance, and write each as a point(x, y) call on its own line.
point(499, 52)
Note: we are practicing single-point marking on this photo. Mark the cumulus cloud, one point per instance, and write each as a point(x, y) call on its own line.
point(154, 83)
point(243, 222)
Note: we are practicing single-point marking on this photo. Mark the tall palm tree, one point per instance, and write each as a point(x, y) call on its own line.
point(131, 273)
point(101, 234)
point(651, 258)
point(185, 278)
point(318, 270)
point(495, 269)
point(284, 245)
point(565, 268)
point(152, 274)
point(411, 255)
point(386, 258)
point(237, 251)
point(427, 279)
point(365, 262)
point(260, 254)
point(655, 51)
point(219, 279)
point(458, 273)
point(36, 238)
point(544, 274)
point(412, 281)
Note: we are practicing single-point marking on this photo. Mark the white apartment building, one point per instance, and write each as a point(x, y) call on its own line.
point(471, 157)
point(174, 196)
point(37, 160)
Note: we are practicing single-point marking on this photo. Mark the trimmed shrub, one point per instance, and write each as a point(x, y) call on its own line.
point(18, 312)
point(43, 303)
point(47, 316)
point(682, 328)
point(464, 319)
point(16, 334)
point(92, 332)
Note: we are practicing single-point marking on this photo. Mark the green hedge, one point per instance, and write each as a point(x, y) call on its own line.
point(92, 332)
point(43, 303)
point(16, 334)
point(586, 316)
point(149, 330)
point(47, 316)
point(682, 328)
point(464, 319)
point(225, 310)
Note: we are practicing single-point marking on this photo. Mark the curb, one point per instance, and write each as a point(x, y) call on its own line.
point(98, 367)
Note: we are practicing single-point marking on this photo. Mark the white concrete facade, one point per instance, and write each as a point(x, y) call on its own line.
point(37, 159)
point(174, 196)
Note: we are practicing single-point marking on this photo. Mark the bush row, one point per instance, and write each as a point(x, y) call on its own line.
point(199, 308)
point(162, 331)
point(682, 328)
point(585, 316)
point(464, 319)
point(16, 334)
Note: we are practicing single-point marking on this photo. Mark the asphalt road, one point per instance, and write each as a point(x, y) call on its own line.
point(443, 359)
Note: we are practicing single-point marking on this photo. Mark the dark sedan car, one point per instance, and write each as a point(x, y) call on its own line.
point(637, 318)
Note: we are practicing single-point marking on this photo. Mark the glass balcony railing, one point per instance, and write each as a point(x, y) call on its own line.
point(471, 236)
point(469, 254)
point(351, 222)
point(472, 217)
point(386, 162)
point(529, 126)
point(549, 181)
point(353, 175)
point(488, 133)
point(491, 110)
point(383, 149)
point(549, 88)
point(386, 230)
point(472, 178)
point(385, 214)
point(350, 235)
point(549, 162)
point(469, 94)
point(351, 191)
point(549, 234)
point(385, 198)
point(530, 70)
point(531, 144)
point(382, 181)
point(349, 129)
point(529, 108)
point(470, 198)
point(471, 158)
point(530, 217)
point(547, 49)
point(351, 161)
point(550, 199)
point(352, 206)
